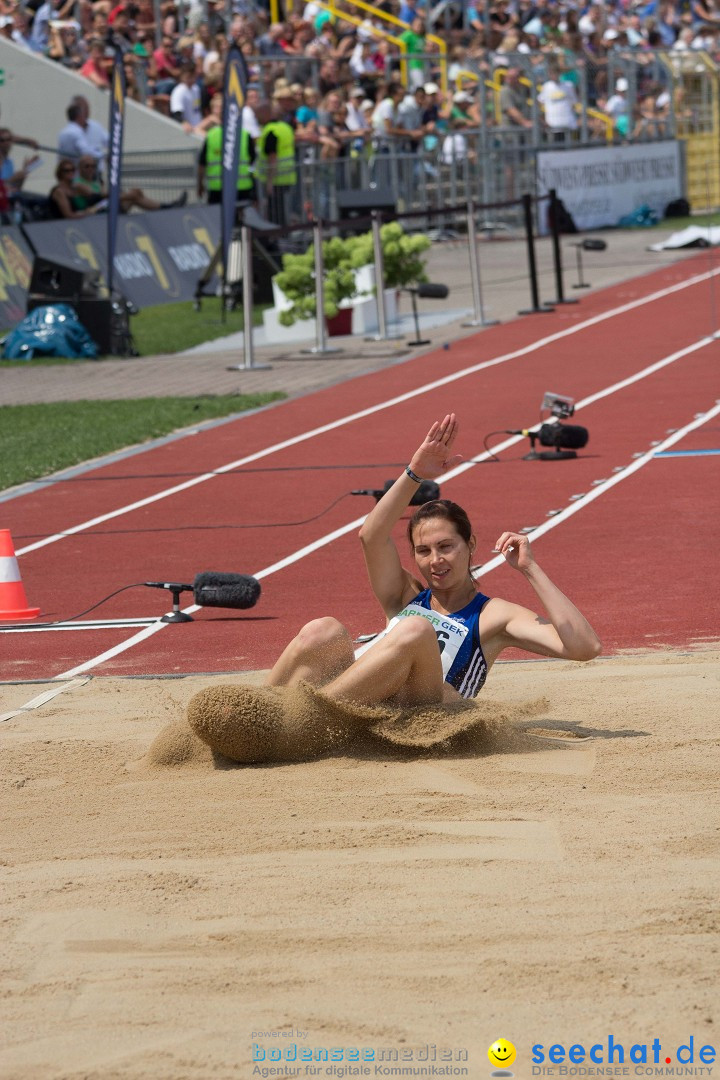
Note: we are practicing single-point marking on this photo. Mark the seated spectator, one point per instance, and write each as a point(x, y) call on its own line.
point(79, 193)
point(51, 10)
point(97, 67)
point(185, 99)
point(167, 66)
point(463, 113)
point(66, 46)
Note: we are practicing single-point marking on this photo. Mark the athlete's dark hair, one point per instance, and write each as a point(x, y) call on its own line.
point(441, 508)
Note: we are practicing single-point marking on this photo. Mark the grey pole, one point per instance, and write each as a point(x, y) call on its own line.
point(248, 363)
point(382, 334)
point(320, 347)
point(478, 318)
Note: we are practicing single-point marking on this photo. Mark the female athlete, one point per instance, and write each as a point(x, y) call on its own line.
point(443, 633)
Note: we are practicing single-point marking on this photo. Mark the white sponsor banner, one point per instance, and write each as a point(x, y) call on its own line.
point(600, 185)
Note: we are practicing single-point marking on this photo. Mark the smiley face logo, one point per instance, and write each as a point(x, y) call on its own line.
point(502, 1053)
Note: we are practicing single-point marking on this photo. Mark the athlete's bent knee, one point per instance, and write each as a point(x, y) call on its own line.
point(320, 633)
point(414, 628)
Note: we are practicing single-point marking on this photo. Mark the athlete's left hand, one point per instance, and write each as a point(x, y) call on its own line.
point(515, 547)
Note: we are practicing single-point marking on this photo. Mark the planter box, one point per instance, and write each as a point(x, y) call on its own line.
point(340, 324)
point(357, 316)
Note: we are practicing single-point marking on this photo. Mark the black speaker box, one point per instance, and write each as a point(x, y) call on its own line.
point(354, 204)
point(57, 281)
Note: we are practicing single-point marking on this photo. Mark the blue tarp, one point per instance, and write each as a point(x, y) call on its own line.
point(52, 330)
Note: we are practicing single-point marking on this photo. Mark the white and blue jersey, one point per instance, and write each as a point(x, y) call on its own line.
point(463, 661)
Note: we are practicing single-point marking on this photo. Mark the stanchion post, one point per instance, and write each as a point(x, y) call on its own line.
point(320, 348)
point(248, 363)
point(382, 334)
point(478, 318)
point(536, 309)
point(580, 283)
point(553, 214)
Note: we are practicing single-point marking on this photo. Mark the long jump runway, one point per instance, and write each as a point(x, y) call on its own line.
point(628, 529)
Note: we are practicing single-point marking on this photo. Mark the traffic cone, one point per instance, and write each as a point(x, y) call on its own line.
point(13, 602)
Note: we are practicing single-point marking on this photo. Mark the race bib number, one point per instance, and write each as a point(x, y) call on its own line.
point(450, 633)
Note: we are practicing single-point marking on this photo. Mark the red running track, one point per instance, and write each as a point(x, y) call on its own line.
point(635, 559)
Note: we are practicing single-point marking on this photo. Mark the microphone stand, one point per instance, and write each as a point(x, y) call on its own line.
point(176, 615)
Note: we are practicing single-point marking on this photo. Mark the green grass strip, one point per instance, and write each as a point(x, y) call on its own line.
point(36, 440)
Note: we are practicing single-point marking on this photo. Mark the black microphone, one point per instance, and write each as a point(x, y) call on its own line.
point(215, 589)
point(171, 586)
point(368, 491)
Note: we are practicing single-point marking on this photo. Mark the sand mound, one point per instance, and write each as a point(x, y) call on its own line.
point(252, 724)
point(177, 744)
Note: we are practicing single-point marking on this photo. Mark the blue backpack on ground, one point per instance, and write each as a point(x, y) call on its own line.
point(52, 330)
point(641, 216)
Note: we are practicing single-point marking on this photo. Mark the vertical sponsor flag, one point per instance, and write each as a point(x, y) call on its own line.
point(234, 89)
point(117, 125)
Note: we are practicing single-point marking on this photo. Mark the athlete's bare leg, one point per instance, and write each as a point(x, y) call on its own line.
point(403, 668)
point(321, 651)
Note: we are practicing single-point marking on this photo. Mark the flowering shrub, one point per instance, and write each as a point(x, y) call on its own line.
point(402, 262)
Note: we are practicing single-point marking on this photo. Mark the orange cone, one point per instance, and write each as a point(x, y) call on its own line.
point(13, 602)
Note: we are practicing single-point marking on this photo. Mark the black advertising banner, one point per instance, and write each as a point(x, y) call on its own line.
point(159, 256)
point(234, 88)
point(15, 270)
point(117, 126)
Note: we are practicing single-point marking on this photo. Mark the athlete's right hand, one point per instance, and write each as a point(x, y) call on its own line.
point(433, 457)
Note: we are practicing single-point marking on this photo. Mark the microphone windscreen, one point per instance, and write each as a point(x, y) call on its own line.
point(216, 589)
point(566, 436)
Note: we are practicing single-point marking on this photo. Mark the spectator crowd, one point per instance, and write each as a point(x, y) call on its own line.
point(335, 86)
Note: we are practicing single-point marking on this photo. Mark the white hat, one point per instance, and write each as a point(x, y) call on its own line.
point(610, 34)
point(461, 98)
point(432, 88)
point(367, 104)
point(621, 85)
point(5, 20)
point(357, 91)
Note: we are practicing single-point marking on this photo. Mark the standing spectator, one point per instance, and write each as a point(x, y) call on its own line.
point(385, 118)
point(410, 116)
point(210, 164)
point(558, 98)
point(276, 169)
point(13, 178)
point(414, 40)
point(185, 99)
point(617, 104)
point(513, 107)
point(249, 119)
point(81, 135)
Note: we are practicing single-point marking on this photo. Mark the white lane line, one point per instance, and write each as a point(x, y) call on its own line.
point(352, 417)
point(42, 699)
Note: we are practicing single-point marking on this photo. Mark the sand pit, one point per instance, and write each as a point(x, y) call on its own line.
point(556, 886)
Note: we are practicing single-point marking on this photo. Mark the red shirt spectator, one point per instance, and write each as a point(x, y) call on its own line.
point(166, 61)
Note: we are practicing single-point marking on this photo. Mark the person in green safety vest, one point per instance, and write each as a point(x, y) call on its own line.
point(210, 166)
point(276, 168)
